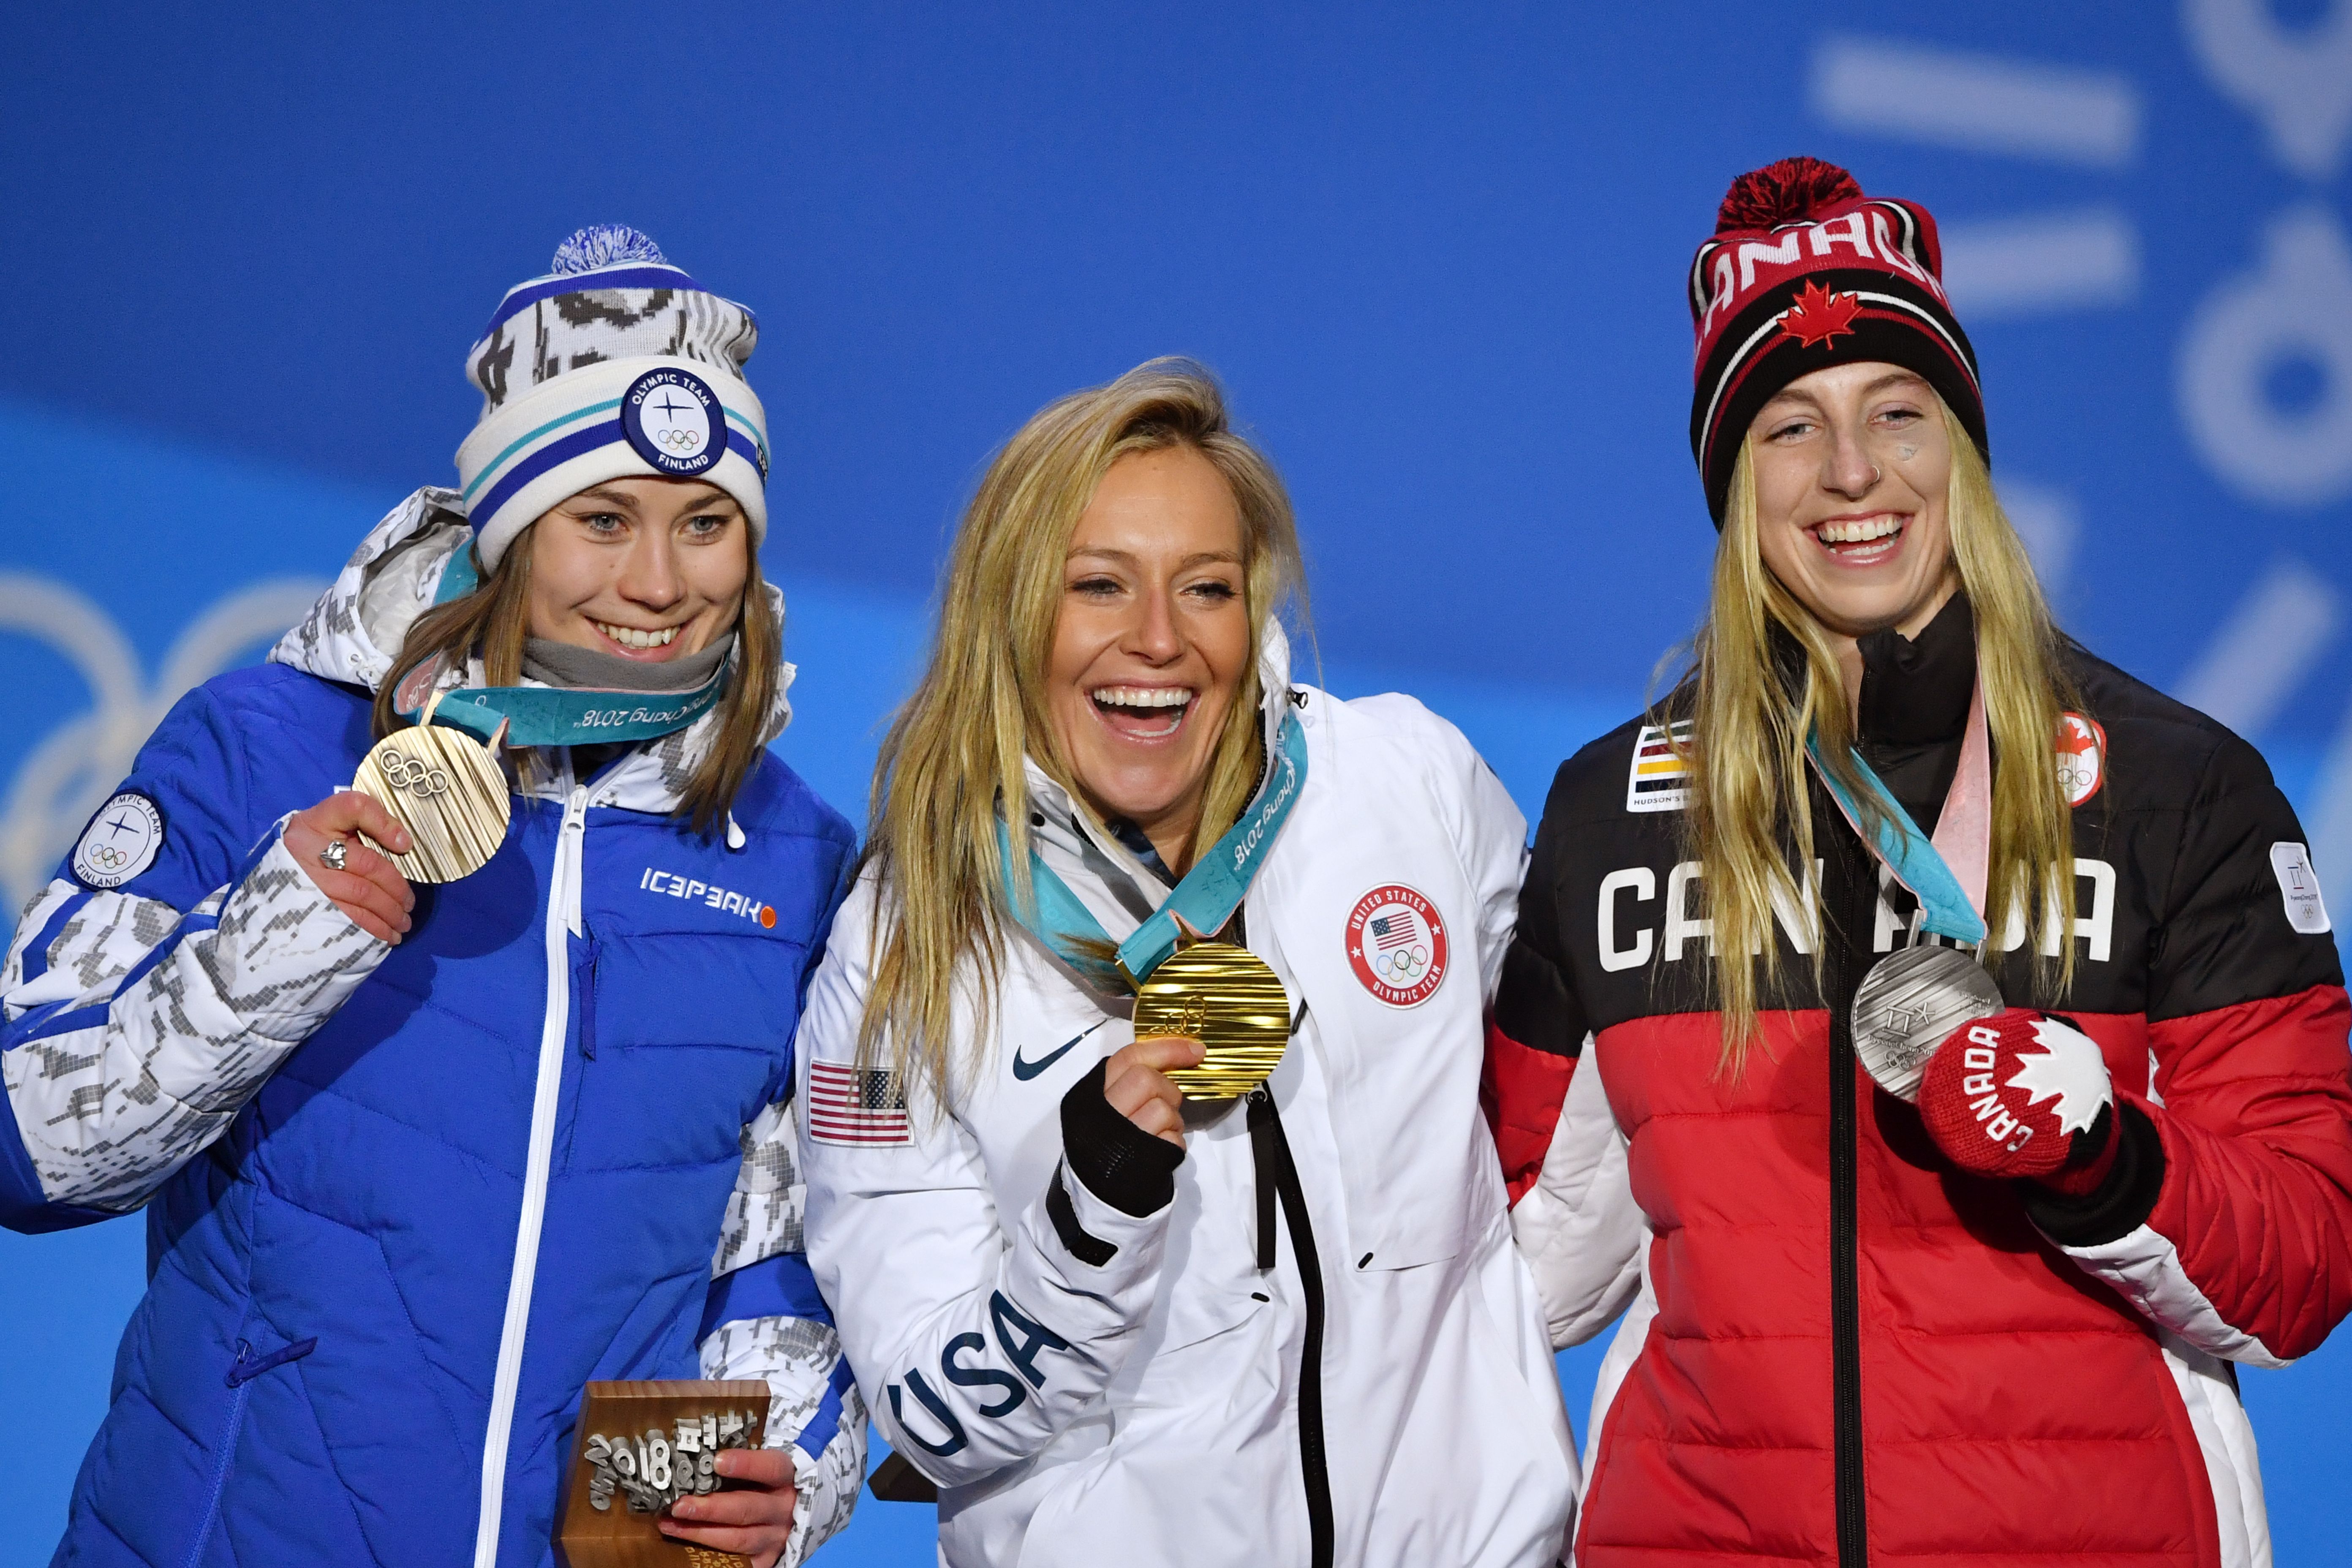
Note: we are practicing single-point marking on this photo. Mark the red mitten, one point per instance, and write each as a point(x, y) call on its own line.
point(2022, 1094)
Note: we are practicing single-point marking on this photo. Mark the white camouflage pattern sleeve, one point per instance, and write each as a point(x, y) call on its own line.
point(763, 1212)
point(109, 1104)
point(799, 1358)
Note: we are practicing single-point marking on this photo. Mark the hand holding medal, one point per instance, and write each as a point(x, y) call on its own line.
point(428, 804)
point(1139, 1083)
point(328, 842)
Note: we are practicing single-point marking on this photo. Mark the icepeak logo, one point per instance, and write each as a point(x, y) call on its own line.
point(726, 902)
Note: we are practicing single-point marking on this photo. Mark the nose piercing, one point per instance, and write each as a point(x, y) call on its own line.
point(1874, 474)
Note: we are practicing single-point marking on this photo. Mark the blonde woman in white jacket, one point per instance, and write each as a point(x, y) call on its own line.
point(1112, 1324)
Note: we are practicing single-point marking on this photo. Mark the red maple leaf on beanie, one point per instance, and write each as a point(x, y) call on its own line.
point(1816, 319)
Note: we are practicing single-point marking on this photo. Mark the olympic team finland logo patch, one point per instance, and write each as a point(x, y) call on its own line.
point(675, 421)
point(2081, 757)
point(1396, 945)
point(119, 842)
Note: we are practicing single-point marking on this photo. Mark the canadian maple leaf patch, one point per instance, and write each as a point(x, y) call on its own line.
point(1816, 318)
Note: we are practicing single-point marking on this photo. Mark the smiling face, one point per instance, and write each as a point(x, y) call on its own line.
point(648, 570)
point(1853, 464)
point(1151, 642)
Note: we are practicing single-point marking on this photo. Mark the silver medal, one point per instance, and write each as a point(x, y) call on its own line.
point(1909, 1004)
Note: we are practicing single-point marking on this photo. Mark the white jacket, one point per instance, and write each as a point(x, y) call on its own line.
point(1148, 1409)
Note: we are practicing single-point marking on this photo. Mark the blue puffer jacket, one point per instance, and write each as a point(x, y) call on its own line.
point(493, 1163)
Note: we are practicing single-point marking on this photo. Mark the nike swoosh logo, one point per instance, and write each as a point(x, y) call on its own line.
point(1025, 1070)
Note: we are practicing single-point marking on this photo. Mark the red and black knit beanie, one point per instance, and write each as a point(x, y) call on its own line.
point(1805, 271)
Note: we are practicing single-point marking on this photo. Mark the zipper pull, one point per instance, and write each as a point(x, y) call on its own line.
point(1263, 1171)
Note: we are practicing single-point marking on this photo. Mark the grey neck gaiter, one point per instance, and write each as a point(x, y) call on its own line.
point(577, 668)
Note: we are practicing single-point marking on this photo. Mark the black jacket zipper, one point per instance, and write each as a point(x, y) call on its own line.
point(1848, 957)
point(1270, 1153)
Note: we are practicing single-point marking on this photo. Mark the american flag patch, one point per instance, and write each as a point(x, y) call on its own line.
point(1393, 930)
point(856, 1107)
point(1660, 780)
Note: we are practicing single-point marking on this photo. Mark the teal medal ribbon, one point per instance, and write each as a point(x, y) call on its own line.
point(1909, 1002)
point(1205, 898)
point(1910, 854)
point(547, 716)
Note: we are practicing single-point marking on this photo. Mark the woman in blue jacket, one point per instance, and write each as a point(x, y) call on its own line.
point(418, 1165)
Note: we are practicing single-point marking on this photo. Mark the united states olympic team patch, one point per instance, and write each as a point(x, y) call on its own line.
point(1397, 945)
point(119, 842)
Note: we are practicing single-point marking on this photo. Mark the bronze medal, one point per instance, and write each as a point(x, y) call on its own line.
point(1229, 1000)
point(1909, 1004)
point(446, 789)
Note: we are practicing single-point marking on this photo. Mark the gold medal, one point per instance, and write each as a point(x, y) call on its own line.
point(446, 789)
point(1225, 997)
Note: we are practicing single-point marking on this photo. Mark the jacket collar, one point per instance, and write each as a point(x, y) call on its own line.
point(1915, 691)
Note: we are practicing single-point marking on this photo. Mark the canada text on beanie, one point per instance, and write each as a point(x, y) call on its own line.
point(1804, 271)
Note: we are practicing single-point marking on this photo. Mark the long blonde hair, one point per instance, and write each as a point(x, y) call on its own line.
point(952, 760)
point(1749, 816)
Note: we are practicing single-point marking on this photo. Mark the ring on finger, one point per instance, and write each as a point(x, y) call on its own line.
point(333, 855)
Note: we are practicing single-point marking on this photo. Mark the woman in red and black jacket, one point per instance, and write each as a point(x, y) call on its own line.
point(1996, 1323)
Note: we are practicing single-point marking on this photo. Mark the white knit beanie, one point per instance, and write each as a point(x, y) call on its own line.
point(616, 364)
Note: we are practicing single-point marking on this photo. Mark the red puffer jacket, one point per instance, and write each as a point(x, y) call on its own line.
point(1839, 1347)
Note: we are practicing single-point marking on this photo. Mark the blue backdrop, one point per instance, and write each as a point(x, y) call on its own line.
point(1438, 259)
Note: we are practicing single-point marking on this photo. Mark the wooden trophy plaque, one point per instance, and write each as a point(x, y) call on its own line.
point(638, 1447)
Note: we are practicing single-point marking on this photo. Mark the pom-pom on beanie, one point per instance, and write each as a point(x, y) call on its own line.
point(1803, 271)
point(615, 365)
